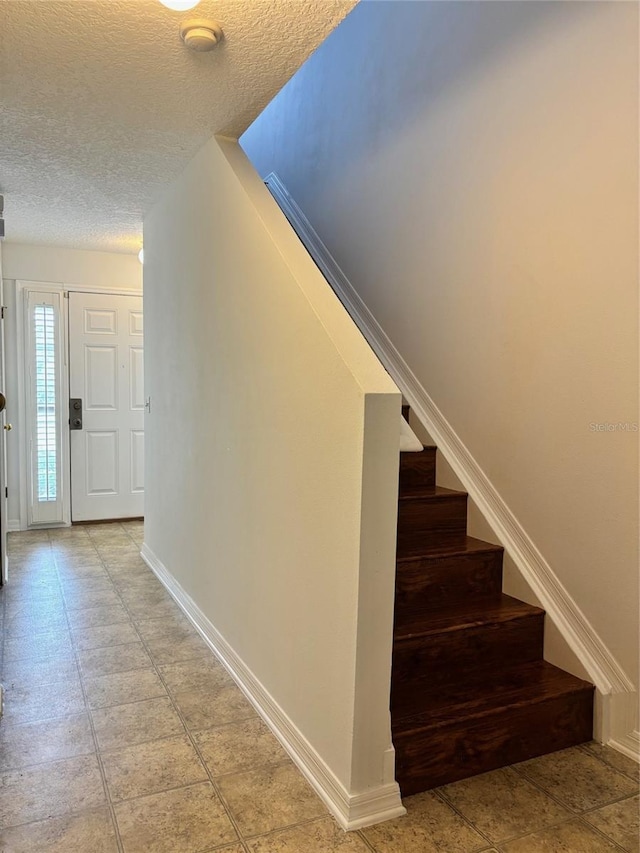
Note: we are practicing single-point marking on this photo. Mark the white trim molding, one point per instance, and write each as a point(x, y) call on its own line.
point(616, 697)
point(352, 811)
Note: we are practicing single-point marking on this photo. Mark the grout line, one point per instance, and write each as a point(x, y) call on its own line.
point(440, 793)
point(95, 742)
point(599, 832)
point(574, 812)
point(154, 666)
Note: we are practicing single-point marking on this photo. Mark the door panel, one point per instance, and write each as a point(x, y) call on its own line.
point(106, 371)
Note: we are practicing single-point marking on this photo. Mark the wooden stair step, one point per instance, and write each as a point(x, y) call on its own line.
point(432, 648)
point(436, 519)
point(417, 470)
point(508, 716)
point(466, 571)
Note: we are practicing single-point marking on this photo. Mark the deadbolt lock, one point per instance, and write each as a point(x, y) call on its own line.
point(75, 413)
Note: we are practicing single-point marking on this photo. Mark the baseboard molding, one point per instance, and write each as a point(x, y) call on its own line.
point(13, 525)
point(616, 692)
point(628, 745)
point(352, 811)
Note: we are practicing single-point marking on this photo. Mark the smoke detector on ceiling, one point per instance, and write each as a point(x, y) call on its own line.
point(200, 34)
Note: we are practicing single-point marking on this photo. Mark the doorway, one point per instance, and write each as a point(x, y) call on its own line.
point(82, 405)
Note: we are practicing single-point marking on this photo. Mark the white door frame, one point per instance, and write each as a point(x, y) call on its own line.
point(22, 286)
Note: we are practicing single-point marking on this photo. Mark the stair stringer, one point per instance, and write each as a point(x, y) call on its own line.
point(616, 699)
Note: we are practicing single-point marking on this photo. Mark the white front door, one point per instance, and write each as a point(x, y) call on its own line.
point(3, 446)
point(106, 375)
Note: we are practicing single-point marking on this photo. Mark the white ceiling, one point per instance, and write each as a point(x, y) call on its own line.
point(101, 104)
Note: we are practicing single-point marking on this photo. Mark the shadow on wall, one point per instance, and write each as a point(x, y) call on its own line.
point(482, 33)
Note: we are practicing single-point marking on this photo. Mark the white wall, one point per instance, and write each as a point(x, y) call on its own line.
point(473, 168)
point(102, 270)
point(271, 470)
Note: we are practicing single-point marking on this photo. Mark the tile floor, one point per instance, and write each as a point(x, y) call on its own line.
point(123, 733)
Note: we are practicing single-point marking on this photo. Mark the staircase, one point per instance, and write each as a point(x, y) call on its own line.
point(470, 690)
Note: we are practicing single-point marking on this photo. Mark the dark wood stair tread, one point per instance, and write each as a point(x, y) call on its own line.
point(527, 684)
point(465, 547)
point(469, 614)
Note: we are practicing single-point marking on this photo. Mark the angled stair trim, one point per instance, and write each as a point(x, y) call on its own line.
point(352, 811)
point(617, 696)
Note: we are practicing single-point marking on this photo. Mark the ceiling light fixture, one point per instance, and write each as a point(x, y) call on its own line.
point(179, 5)
point(141, 256)
point(200, 34)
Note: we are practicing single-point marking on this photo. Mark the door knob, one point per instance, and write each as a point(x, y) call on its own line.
point(8, 427)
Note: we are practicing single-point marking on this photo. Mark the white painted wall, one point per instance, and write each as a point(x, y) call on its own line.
point(473, 168)
point(20, 261)
point(271, 469)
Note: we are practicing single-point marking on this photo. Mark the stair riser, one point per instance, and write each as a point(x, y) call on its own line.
point(436, 757)
point(425, 523)
point(433, 661)
point(417, 471)
point(432, 582)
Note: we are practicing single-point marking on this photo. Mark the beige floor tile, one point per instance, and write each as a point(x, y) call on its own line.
point(54, 644)
point(42, 702)
point(152, 629)
point(96, 583)
point(38, 623)
point(149, 768)
point(188, 820)
point(105, 635)
point(88, 832)
point(140, 608)
point(620, 822)
point(79, 565)
point(93, 571)
point(430, 826)
point(95, 616)
point(112, 553)
point(92, 599)
point(51, 740)
point(270, 798)
point(154, 595)
point(122, 688)
point(570, 837)
point(126, 565)
point(49, 790)
point(26, 673)
point(138, 722)
point(112, 659)
point(239, 746)
point(503, 805)
point(136, 582)
point(195, 675)
point(109, 538)
point(577, 779)
point(204, 709)
point(319, 836)
point(615, 759)
point(175, 648)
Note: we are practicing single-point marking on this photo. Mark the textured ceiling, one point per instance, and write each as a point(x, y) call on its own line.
point(101, 104)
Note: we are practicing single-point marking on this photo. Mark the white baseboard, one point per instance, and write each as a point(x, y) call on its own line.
point(628, 745)
point(352, 811)
point(13, 525)
point(616, 691)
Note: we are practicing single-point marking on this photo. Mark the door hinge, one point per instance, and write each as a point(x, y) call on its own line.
point(6, 491)
point(3, 308)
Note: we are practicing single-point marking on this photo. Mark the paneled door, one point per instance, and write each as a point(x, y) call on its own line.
point(106, 406)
